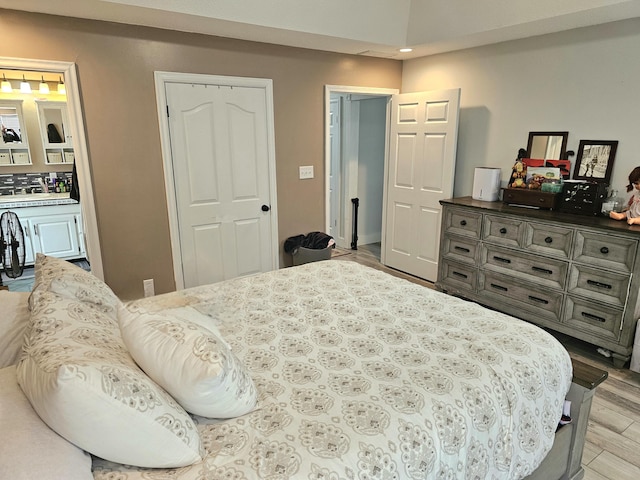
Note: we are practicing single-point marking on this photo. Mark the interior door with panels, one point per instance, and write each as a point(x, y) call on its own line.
point(422, 153)
point(220, 150)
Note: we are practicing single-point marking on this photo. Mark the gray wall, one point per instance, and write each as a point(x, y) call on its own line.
point(371, 168)
point(584, 81)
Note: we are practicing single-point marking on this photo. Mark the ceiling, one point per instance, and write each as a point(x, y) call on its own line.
point(363, 27)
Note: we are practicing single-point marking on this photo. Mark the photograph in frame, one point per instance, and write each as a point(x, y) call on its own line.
point(594, 162)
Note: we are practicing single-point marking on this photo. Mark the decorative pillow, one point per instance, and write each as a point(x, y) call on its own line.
point(192, 362)
point(29, 449)
point(64, 278)
point(13, 323)
point(77, 374)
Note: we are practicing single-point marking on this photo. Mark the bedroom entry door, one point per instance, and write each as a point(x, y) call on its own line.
point(421, 167)
point(223, 172)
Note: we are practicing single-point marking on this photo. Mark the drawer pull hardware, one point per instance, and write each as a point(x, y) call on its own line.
point(463, 222)
point(590, 316)
point(503, 230)
point(604, 250)
point(599, 284)
point(539, 300)
point(462, 249)
point(458, 274)
point(542, 270)
point(500, 259)
point(499, 287)
point(548, 240)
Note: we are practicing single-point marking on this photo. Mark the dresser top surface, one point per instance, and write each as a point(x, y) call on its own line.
point(600, 222)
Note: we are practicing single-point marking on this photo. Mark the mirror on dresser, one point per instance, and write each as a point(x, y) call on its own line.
point(547, 145)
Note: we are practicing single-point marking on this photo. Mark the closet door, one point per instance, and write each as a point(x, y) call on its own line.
point(220, 152)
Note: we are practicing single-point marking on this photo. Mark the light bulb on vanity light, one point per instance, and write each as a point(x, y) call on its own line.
point(25, 87)
point(61, 88)
point(44, 86)
point(6, 85)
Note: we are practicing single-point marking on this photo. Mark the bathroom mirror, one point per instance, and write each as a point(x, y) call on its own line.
point(11, 123)
point(548, 145)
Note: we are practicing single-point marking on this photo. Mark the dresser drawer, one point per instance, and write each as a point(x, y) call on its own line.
point(590, 317)
point(458, 276)
point(607, 251)
point(548, 239)
point(462, 222)
point(504, 231)
point(599, 285)
point(460, 249)
point(507, 290)
point(541, 270)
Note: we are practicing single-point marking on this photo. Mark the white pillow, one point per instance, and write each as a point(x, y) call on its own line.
point(192, 362)
point(14, 316)
point(29, 449)
point(78, 376)
point(64, 278)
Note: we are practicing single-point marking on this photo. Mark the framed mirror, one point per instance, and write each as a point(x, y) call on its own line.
point(548, 145)
point(11, 122)
point(14, 146)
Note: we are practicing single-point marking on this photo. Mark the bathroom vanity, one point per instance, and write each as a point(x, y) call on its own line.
point(52, 224)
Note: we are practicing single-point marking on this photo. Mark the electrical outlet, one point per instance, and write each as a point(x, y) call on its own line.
point(149, 289)
point(306, 172)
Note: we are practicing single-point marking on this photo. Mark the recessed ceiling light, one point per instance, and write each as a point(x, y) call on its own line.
point(406, 50)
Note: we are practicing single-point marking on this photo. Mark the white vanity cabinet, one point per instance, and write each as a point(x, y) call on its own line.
point(55, 235)
point(54, 230)
point(57, 141)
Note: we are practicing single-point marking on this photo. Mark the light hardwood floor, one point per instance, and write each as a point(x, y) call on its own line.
point(612, 450)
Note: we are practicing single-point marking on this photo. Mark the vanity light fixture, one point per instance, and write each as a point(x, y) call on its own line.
point(61, 88)
point(6, 85)
point(44, 86)
point(25, 87)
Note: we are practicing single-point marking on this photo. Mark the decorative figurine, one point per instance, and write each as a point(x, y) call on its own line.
point(519, 171)
point(632, 211)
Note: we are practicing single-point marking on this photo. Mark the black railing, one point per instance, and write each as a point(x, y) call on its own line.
point(354, 233)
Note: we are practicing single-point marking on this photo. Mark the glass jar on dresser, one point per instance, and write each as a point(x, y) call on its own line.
point(574, 274)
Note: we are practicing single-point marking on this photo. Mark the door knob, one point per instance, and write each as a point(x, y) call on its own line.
point(266, 208)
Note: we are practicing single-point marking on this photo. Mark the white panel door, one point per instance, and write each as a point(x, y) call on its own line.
point(336, 217)
point(422, 154)
point(219, 145)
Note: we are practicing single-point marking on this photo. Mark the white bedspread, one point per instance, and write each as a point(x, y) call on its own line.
point(365, 376)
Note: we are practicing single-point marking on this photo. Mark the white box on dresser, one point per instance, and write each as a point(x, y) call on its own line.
point(571, 273)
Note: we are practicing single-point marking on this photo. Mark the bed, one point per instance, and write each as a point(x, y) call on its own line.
point(361, 375)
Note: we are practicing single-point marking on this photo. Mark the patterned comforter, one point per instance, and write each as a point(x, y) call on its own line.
point(362, 375)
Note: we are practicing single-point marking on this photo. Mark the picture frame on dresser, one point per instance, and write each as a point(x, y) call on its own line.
point(594, 162)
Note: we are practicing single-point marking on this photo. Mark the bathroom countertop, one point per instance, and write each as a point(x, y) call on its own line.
point(35, 200)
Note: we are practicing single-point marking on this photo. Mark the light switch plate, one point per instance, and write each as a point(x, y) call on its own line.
point(306, 172)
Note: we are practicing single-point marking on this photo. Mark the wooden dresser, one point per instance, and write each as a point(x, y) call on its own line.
point(575, 274)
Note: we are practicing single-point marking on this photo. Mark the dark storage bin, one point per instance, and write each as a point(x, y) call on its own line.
point(307, 255)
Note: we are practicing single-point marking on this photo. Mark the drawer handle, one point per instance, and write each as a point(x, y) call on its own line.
point(503, 230)
point(462, 249)
point(604, 250)
point(599, 284)
point(458, 274)
point(500, 287)
point(548, 240)
point(539, 300)
point(500, 259)
point(542, 270)
point(590, 316)
point(463, 222)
